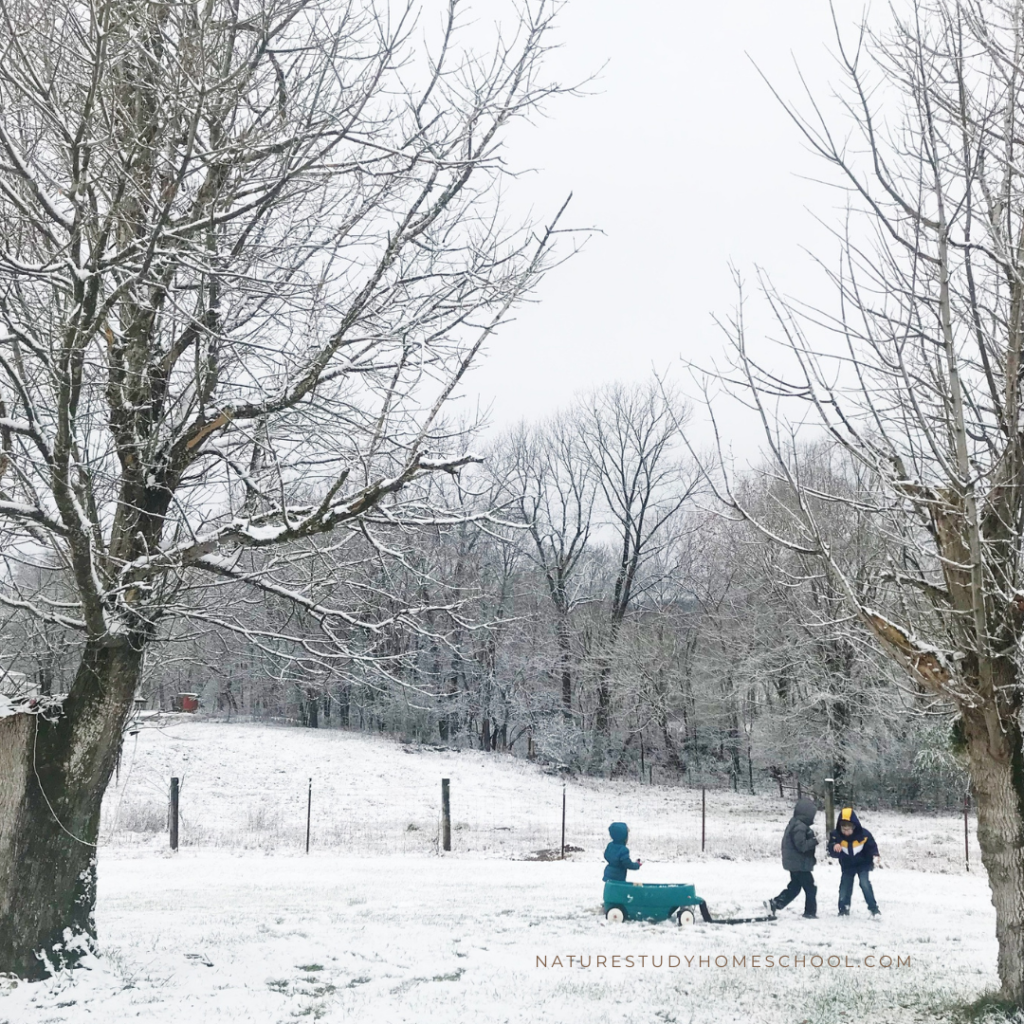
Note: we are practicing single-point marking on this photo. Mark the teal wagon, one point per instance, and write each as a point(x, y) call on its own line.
point(640, 901)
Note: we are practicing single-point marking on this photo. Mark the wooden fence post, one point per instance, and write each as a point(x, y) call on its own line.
point(446, 816)
point(173, 823)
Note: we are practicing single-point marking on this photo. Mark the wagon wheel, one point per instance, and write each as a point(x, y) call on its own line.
point(616, 914)
point(685, 917)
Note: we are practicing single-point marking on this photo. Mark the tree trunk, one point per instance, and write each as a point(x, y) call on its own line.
point(734, 737)
point(453, 724)
point(675, 763)
point(839, 719)
point(312, 702)
point(226, 700)
point(604, 671)
point(46, 677)
point(52, 779)
point(620, 762)
point(997, 773)
point(565, 663)
point(602, 715)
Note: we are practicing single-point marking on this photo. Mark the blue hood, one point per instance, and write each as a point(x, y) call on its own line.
point(619, 831)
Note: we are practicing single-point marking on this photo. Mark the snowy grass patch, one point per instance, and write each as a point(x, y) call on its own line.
point(377, 925)
point(329, 937)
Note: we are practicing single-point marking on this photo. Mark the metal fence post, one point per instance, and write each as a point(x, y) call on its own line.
point(446, 815)
point(703, 814)
point(173, 822)
point(967, 847)
point(309, 812)
point(563, 821)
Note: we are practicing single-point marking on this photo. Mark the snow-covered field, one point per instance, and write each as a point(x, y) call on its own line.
point(375, 925)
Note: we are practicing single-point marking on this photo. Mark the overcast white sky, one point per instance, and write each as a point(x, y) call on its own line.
point(685, 161)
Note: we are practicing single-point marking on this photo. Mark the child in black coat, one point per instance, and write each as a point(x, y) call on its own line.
point(798, 843)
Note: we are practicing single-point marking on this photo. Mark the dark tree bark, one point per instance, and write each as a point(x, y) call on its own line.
point(995, 747)
point(52, 778)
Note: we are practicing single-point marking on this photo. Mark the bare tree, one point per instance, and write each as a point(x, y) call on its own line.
point(918, 378)
point(225, 228)
point(822, 636)
point(547, 471)
point(631, 437)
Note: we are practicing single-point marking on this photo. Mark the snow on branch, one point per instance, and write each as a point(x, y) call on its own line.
point(31, 514)
point(49, 708)
point(291, 524)
point(927, 663)
point(54, 618)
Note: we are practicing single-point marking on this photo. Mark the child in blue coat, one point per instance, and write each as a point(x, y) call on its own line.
point(617, 854)
point(857, 852)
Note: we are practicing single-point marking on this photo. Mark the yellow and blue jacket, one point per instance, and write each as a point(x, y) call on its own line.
point(858, 850)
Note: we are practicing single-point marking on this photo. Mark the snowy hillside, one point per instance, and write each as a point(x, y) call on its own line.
point(375, 925)
point(246, 787)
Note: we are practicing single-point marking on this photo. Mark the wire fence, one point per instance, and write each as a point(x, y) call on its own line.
point(500, 807)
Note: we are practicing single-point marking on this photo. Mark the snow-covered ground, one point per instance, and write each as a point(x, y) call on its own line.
point(375, 925)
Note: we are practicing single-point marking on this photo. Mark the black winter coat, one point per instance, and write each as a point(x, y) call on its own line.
point(798, 841)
